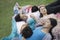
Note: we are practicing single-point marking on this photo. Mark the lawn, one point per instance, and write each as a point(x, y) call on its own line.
point(6, 13)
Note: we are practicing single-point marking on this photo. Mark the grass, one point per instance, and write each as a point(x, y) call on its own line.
point(6, 13)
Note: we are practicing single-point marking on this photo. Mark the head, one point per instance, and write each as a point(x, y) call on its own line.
point(26, 31)
point(20, 17)
point(49, 23)
point(17, 18)
point(23, 17)
point(35, 9)
point(43, 9)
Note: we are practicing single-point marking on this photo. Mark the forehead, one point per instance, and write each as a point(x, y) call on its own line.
point(42, 7)
point(24, 25)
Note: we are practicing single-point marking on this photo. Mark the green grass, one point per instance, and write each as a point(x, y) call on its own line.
point(6, 13)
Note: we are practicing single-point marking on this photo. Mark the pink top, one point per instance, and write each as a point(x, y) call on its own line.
point(58, 15)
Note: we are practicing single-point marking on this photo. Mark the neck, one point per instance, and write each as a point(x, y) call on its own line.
point(46, 30)
point(44, 14)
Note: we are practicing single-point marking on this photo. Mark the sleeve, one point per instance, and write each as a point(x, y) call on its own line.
point(47, 37)
point(31, 23)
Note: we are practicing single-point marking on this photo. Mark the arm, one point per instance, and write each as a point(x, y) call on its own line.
point(34, 17)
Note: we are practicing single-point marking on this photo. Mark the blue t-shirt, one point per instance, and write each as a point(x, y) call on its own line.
point(37, 34)
point(31, 22)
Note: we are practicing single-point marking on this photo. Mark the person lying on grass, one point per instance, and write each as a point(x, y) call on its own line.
point(40, 32)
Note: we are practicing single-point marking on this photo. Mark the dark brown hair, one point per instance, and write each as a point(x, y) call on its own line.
point(27, 32)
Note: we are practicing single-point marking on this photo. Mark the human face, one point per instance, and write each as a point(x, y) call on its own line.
point(46, 23)
point(43, 10)
point(24, 17)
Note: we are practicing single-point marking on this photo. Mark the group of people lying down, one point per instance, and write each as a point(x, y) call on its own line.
point(33, 22)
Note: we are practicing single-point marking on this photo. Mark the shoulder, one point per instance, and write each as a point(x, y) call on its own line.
point(47, 36)
point(38, 29)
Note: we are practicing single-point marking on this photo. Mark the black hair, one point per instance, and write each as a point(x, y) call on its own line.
point(17, 18)
point(27, 32)
point(53, 23)
point(41, 15)
point(35, 8)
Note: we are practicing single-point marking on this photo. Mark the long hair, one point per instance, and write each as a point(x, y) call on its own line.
point(53, 23)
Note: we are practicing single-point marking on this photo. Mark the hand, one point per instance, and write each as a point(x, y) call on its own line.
point(41, 22)
point(32, 16)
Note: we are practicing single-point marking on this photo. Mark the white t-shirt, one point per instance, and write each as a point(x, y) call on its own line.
point(36, 14)
point(19, 25)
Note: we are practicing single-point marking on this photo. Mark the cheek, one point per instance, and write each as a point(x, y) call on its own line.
point(25, 18)
point(41, 10)
point(47, 24)
point(44, 11)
